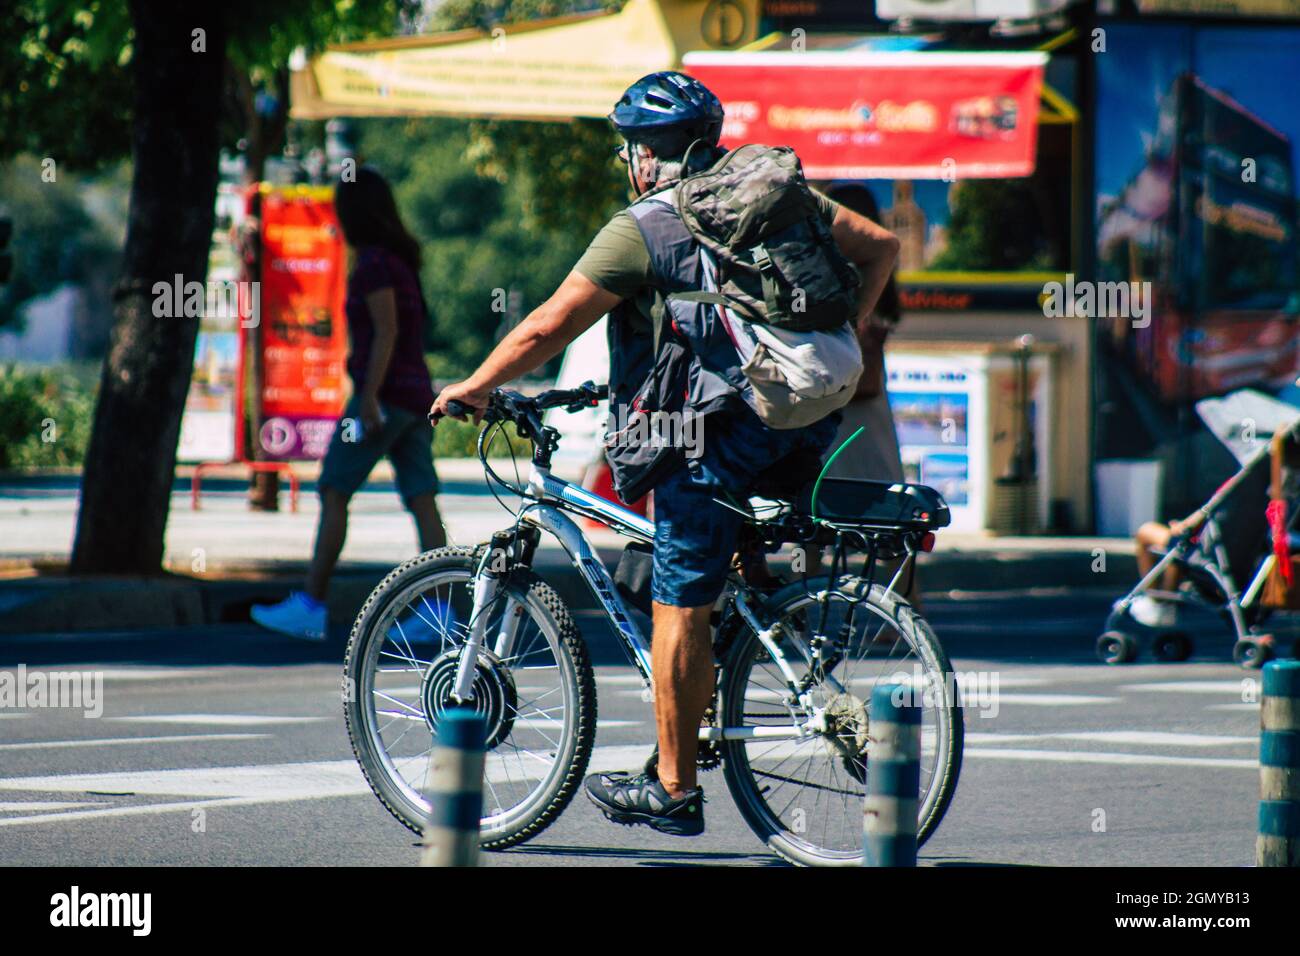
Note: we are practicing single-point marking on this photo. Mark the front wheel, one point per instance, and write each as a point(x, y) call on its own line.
point(803, 797)
point(534, 688)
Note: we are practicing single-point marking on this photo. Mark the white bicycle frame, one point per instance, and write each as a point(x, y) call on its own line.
point(543, 486)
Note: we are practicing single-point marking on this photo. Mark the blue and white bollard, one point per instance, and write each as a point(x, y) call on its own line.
point(1278, 843)
point(451, 835)
point(893, 778)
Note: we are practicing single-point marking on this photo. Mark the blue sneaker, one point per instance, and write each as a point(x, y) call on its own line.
point(425, 625)
point(299, 615)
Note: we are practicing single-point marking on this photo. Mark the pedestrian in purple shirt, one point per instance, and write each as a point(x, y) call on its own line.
point(391, 393)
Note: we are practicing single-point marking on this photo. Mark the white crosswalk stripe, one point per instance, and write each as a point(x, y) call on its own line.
point(119, 741)
point(219, 720)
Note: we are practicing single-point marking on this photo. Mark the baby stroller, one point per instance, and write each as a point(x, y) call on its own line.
point(1244, 568)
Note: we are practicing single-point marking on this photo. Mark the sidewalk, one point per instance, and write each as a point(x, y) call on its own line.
point(224, 557)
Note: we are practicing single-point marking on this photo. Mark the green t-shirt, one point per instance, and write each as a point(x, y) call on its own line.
point(619, 262)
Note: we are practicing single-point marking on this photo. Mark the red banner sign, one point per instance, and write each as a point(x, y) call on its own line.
point(304, 334)
point(910, 115)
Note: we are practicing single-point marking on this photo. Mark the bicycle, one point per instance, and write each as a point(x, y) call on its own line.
point(477, 627)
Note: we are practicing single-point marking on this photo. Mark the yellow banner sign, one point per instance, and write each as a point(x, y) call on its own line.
point(555, 69)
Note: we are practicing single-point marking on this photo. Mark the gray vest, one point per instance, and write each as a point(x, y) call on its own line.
point(697, 369)
point(715, 378)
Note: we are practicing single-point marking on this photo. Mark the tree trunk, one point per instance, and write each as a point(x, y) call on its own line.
point(127, 480)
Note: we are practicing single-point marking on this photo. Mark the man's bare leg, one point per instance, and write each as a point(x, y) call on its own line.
point(682, 660)
point(428, 522)
point(330, 535)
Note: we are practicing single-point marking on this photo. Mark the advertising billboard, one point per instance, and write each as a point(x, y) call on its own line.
point(872, 115)
point(304, 335)
point(1195, 158)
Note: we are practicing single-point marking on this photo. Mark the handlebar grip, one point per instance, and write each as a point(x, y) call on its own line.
point(455, 409)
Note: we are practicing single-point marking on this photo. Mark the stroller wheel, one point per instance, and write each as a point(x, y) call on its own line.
point(1172, 646)
point(1253, 652)
point(1116, 647)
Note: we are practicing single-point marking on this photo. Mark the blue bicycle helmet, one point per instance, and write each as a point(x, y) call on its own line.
point(668, 111)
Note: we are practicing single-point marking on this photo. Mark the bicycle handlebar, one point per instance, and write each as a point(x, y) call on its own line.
point(524, 412)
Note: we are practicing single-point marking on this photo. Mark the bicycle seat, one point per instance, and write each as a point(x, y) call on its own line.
point(878, 504)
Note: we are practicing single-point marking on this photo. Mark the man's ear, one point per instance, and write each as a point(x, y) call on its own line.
point(641, 157)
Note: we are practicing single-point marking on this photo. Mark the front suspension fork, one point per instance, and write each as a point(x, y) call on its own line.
point(493, 570)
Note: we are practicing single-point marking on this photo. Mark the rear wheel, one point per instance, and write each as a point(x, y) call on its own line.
point(1116, 647)
point(804, 797)
point(1253, 652)
point(538, 698)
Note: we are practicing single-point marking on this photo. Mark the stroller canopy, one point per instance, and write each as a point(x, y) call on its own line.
point(1245, 420)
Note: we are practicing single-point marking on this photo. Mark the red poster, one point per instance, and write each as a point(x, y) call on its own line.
point(304, 333)
point(907, 115)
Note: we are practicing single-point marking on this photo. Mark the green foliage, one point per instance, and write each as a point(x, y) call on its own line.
point(502, 208)
point(453, 439)
point(55, 239)
point(996, 226)
point(488, 258)
point(484, 14)
point(573, 181)
point(45, 418)
point(65, 84)
point(65, 78)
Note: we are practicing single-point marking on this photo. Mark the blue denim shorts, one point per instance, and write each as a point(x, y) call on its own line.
point(406, 440)
point(695, 536)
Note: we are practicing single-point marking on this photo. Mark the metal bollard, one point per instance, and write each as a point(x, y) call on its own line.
point(893, 779)
point(1278, 843)
point(451, 836)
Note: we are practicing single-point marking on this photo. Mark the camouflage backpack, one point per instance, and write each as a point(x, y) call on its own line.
point(784, 291)
point(777, 263)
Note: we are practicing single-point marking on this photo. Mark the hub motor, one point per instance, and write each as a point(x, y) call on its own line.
point(495, 697)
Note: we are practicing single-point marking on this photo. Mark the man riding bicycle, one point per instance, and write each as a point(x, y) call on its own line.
point(671, 124)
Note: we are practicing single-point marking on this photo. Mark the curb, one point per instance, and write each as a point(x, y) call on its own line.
point(55, 603)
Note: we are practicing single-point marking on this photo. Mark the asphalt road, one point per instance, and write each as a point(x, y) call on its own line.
point(225, 745)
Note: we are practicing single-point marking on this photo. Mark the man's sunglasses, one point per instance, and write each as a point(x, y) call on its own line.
point(622, 154)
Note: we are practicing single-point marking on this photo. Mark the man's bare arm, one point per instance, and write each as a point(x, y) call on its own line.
point(571, 310)
point(870, 247)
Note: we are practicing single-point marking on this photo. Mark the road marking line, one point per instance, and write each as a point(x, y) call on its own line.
point(218, 720)
point(123, 673)
point(246, 785)
point(1134, 737)
point(1050, 700)
point(1191, 686)
point(18, 806)
point(112, 741)
point(1085, 756)
point(271, 781)
point(619, 680)
point(541, 723)
point(1239, 707)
